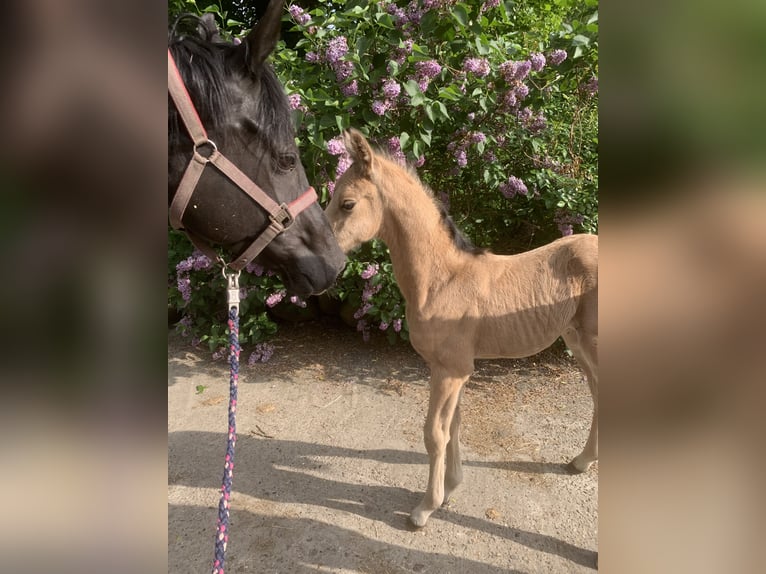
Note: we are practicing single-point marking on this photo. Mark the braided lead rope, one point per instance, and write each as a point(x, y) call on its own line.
point(222, 528)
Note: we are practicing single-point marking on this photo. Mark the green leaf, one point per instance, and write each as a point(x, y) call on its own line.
point(201, 389)
point(460, 15)
point(411, 87)
point(404, 138)
point(580, 40)
point(430, 112)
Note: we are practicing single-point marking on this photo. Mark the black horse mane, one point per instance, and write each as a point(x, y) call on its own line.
point(205, 60)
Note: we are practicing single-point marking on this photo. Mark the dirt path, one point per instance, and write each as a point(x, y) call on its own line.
point(330, 461)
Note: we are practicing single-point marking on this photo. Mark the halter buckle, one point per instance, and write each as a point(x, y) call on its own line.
point(282, 218)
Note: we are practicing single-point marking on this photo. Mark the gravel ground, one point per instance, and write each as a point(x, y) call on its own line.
point(330, 461)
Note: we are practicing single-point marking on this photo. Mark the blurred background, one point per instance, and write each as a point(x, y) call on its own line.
point(83, 298)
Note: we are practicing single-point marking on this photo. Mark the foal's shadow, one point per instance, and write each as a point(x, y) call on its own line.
point(523, 466)
point(287, 472)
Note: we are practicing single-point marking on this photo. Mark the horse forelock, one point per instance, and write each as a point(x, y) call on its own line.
point(207, 67)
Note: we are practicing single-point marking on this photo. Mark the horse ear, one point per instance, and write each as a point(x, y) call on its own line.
point(264, 36)
point(359, 149)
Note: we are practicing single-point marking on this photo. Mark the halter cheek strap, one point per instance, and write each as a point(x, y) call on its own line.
point(281, 216)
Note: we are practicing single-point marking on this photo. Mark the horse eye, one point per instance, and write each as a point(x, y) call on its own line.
point(287, 161)
point(348, 205)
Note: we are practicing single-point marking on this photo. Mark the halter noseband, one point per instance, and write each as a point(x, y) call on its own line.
point(281, 216)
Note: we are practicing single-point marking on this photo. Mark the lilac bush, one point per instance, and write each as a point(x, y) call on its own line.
point(495, 104)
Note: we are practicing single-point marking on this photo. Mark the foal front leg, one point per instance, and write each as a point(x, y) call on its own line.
point(444, 396)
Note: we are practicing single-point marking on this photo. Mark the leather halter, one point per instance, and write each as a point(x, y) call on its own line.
point(281, 216)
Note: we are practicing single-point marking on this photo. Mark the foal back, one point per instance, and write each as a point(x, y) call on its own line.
point(514, 305)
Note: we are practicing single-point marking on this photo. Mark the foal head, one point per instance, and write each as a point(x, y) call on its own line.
point(245, 111)
point(356, 210)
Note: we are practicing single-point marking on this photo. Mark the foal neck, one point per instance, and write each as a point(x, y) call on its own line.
point(422, 252)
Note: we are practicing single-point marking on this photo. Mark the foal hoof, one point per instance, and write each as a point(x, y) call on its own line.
point(578, 466)
point(418, 519)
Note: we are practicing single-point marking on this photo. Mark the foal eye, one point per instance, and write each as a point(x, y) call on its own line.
point(287, 161)
point(348, 205)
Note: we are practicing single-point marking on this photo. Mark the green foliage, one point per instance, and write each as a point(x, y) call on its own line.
point(455, 118)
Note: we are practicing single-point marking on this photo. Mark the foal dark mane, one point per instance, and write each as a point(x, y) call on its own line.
point(205, 61)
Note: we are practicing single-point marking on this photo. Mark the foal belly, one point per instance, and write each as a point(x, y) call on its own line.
point(513, 343)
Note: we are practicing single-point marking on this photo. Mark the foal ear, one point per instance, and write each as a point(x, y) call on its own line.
point(264, 36)
point(359, 150)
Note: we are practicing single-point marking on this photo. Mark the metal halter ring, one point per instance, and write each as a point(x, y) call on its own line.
point(202, 157)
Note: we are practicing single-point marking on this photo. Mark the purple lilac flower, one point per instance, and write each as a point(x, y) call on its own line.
point(296, 103)
point(511, 70)
point(397, 324)
point(313, 57)
point(512, 187)
point(299, 15)
point(184, 287)
point(331, 188)
point(383, 326)
point(395, 149)
point(414, 13)
point(362, 311)
point(337, 48)
point(275, 298)
point(509, 99)
point(590, 88)
point(185, 265)
point(477, 137)
point(380, 107)
point(537, 60)
point(370, 271)
point(391, 88)
point(420, 161)
point(428, 69)
point(343, 70)
point(255, 269)
point(461, 157)
point(557, 56)
point(335, 146)
point(344, 162)
point(538, 123)
point(477, 66)
point(400, 17)
point(350, 89)
point(489, 4)
point(566, 220)
point(521, 91)
point(370, 290)
point(523, 69)
point(524, 115)
point(219, 353)
point(400, 54)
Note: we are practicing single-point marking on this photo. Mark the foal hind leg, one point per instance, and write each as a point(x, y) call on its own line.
point(442, 401)
point(584, 348)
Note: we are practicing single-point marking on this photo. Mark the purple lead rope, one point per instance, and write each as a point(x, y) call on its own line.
point(222, 528)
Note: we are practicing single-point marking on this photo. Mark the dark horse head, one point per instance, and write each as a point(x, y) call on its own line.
point(245, 111)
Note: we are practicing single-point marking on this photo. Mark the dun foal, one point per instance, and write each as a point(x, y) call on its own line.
point(465, 303)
